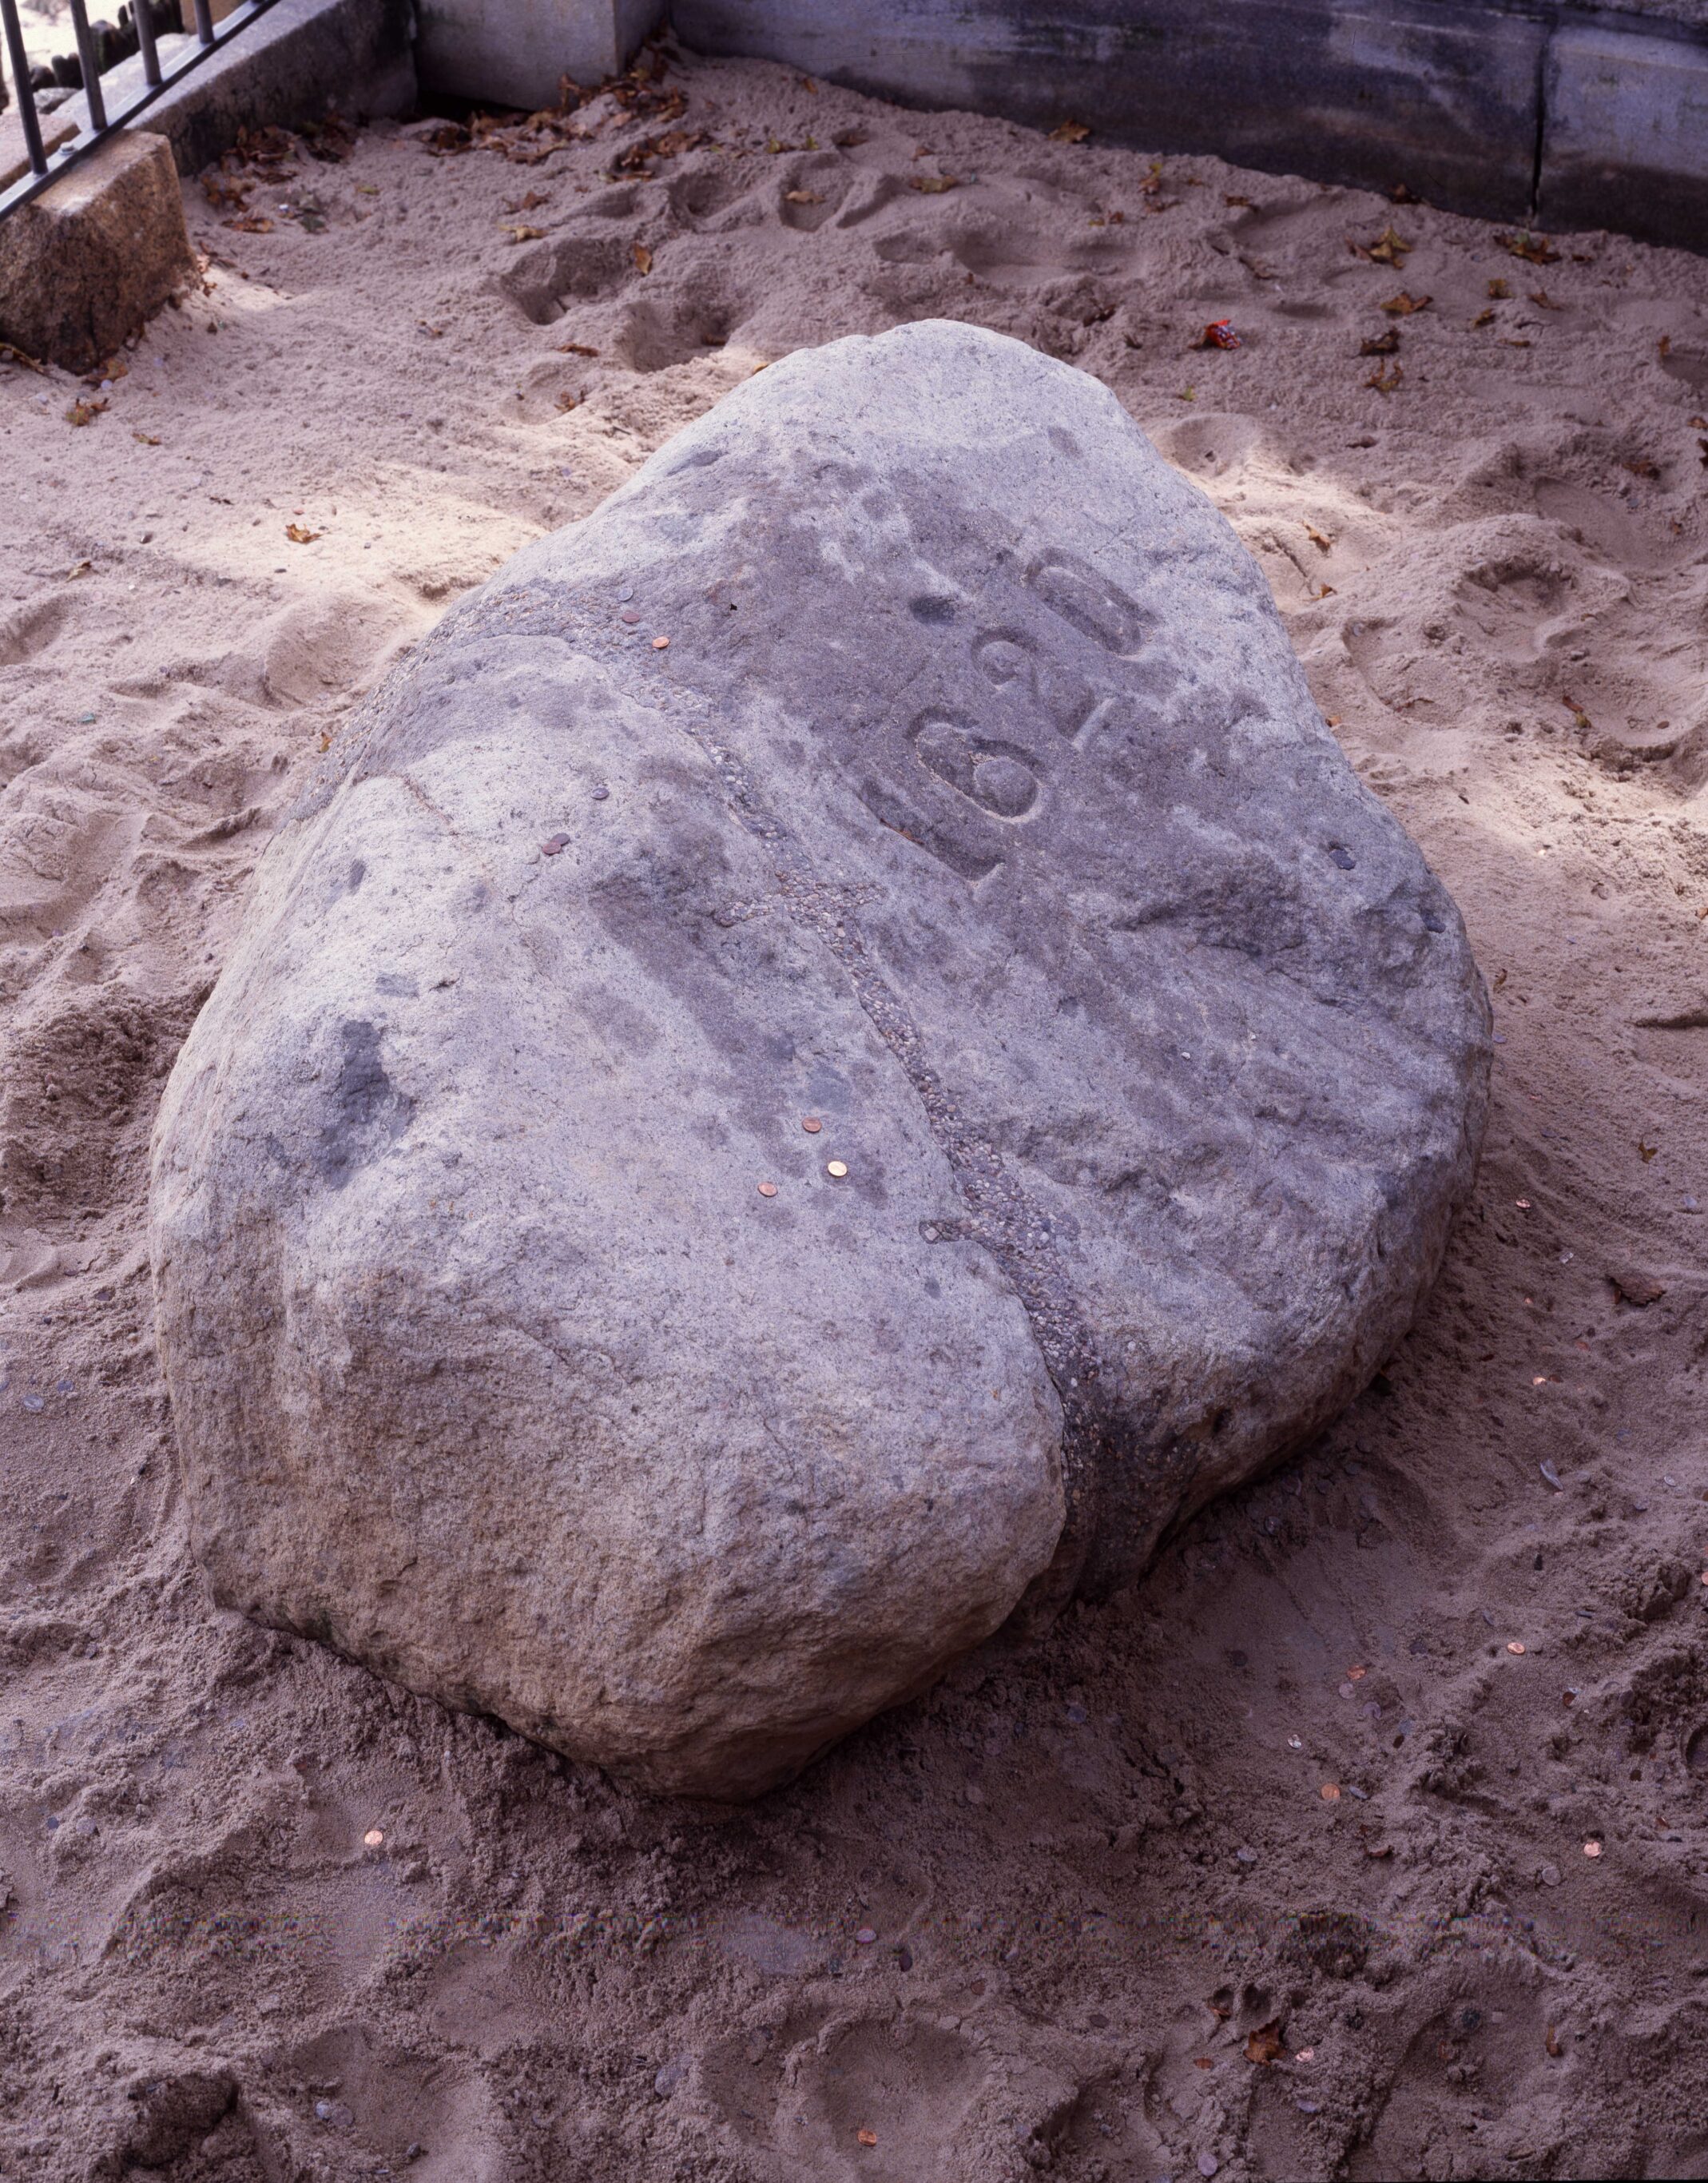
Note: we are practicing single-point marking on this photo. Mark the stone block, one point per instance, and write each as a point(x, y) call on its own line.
point(1439, 95)
point(88, 263)
point(1625, 134)
point(516, 53)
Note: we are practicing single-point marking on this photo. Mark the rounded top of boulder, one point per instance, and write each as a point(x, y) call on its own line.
point(905, 748)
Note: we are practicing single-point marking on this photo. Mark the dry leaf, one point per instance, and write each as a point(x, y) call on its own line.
point(1646, 1152)
point(1246, 201)
point(1498, 290)
point(1385, 382)
point(568, 401)
point(1264, 2044)
point(1319, 539)
point(933, 185)
point(1389, 248)
point(529, 204)
point(1382, 344)
point(1403, 304)
point(1203, 2062)
point(10, 355)
point(1069, 132)
point(434, 333)
point(802, 197)
point(147, 439)
point(83, 411)
point(82, 569)
point(575, 348)
point(848, 140)
point(1542, 296)
point(1534, 249)
point(1643, 468)
point(526, 234)
point(299, 536)
point(249, 223)
point(1507, 341)
point(1484, 318)
point(1325, 592)
point(642, 256)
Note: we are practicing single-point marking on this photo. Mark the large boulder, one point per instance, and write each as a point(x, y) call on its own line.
point(907, 773)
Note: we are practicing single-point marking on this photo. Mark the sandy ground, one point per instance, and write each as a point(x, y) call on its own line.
point(1368, 1836)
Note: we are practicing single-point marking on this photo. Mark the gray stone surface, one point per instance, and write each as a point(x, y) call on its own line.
point(1625, 143)
point(517, 53)
point(976, 806)
point(1580, 115)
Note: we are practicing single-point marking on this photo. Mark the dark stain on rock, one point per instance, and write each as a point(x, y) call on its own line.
point(367, 1110)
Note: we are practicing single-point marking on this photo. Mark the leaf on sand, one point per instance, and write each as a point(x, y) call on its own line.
point(1534, 249)
point(10, 355)
point(1646, 1153)
point(299, 534)
point(933, 185)
point(575, 348)
point(1405, 303)
point(1319, 539)
point(147, 439)
point(866, 2137)
point(1389, 248)
point(642, 256)
point(1498, 290)
point(1551, 2044)
point(251, 223)
point(1382, 344)
point(1385, 382)
point(526, 234)
point(1264, 2045)
point(1069, 132)
point(83, 411)
point(566, 400)
point(802, 196)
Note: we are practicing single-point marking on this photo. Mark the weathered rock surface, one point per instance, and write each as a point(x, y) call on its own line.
point(976, 806)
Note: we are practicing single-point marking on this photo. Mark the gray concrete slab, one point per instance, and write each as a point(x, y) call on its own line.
point(1625, 139)
point(1438, 96)
point(517, 53)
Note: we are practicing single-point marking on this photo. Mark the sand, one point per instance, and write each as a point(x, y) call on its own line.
point(1366, 1836)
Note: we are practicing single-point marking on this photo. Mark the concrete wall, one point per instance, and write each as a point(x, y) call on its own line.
point(1518, 109)
point(516, 53)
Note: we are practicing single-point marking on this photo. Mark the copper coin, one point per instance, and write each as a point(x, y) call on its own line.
point(811, 1125)
point(767, 1190)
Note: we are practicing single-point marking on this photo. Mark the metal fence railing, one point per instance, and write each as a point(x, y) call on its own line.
point(165, 62)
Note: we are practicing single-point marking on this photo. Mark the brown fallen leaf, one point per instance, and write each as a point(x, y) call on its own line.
point(1069, 132)
point(1551, 2043)
point(1664, 345)
point(1484, 318)
point(526, 234)
point(575, 348)
point(1541, 297)
point(1389, 248)
point(250, 223)
point(1534, 249)
point(848, 140)
point(1403, 304)
point(642, 256)
point(1643, 468)
point(1646, 1153)
point(1507, 341)
point(147, 439)
point(1385, 382)
point(433, 333)
point(10, 355)
point(1324, 591)
point(300, 535)
point(933, 185)
point(1499, 289)
point(1203, 2062)
point(1264, 2044)
point(1319, 539)
point(802, 196)
point(1382, 344)
point(82, 569)
point(1246, 201)
point(83, 411)
point(531, 203)
point(567, 401)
